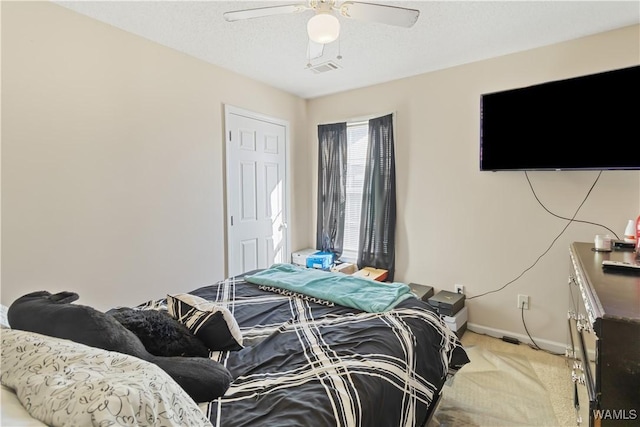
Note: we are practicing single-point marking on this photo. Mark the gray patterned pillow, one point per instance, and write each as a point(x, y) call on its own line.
point(63, 383)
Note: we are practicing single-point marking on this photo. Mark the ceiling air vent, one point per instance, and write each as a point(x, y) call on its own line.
point(324, 67)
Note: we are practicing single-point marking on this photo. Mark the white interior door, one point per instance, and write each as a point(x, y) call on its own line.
point(257, 205)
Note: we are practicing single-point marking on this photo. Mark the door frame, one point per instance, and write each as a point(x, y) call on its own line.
point(231, 109)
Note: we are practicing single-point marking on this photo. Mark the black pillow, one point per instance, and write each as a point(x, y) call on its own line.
point(161, 334)
point(213, 323)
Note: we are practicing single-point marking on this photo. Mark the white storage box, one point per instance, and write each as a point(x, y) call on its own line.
point(457, 323)
point(299, 257)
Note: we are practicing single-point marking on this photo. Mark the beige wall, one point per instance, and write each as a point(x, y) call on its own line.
point(484, 229)
point(112, 159)
point(112, 170)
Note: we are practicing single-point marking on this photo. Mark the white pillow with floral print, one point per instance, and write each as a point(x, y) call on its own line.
point(4, 322)
point(64, 383)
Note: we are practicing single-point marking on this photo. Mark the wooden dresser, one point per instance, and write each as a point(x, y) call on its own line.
point(604, 347)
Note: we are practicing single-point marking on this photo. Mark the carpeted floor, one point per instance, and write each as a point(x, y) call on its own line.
point(507, 385)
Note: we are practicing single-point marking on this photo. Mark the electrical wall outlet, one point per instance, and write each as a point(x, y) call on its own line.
point(523, 301)
point(459, 288)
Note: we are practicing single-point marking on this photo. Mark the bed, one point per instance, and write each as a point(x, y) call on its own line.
point(307, 359)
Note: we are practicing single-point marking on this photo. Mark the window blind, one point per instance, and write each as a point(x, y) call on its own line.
point(357, 144)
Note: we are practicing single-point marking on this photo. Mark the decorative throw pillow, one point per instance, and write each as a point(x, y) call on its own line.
point(154, 304)
point(213, 324)
point(64, 383)
point(161, 334)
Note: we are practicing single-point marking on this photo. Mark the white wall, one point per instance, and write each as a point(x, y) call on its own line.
point(113, 159)
point(484, 229)
point(113, 154)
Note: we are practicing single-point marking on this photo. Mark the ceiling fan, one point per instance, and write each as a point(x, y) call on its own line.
point(324, 26)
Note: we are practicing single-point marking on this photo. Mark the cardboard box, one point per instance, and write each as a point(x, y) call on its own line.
point(320, 260)
point(377, 274)
point(299, 257)
point(447, 303)
point(345, 268)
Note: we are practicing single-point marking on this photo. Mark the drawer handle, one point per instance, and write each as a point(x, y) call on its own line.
point(577, 378)
point(582, 324)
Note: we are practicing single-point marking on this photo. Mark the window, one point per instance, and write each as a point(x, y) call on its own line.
point(356, 173)
point(357, 144)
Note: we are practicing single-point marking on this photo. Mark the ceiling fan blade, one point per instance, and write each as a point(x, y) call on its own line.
point(392, 15)
point(260, 12)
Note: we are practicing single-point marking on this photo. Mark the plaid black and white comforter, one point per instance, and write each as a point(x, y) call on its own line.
point(310, 364)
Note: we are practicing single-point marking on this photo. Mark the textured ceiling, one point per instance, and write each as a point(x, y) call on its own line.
point(274, 49)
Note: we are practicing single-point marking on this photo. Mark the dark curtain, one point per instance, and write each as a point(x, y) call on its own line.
point(332, 187)
point(378, 218)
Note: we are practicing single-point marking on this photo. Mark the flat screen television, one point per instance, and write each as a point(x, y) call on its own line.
point(589, 122)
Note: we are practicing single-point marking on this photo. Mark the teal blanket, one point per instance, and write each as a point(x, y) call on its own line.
point(355, 292)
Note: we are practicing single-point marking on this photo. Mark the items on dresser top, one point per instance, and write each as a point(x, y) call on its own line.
point(602, 242)
point(621, 245)
point(620, 261)
point(627, 266)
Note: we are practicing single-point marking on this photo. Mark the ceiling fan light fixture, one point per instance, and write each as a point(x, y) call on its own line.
point(323, 28)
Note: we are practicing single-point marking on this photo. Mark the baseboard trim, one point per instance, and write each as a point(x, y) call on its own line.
point(552, 346)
